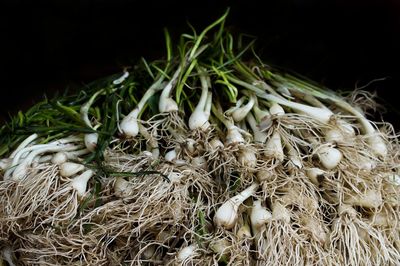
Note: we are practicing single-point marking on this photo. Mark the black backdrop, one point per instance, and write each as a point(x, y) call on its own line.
point(53, 45)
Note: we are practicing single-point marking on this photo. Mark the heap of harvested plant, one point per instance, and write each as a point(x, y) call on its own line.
point(205, 157)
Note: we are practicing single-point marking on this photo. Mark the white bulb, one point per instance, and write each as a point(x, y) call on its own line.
point(129, 124)
point(199, 162)
point(329, 157)
point(247, 158)
point(259, 215)
point(220, 246)
point(59, 158)
point(198, 119)
point(174, 177)
point(186, 252)
point(227, 214)
point(216, 144)
point(233, 136)
point(263, 175)
point(91, 141)
point(334, 135)
point(122, 188)
point(68, 169)
point(79, 183)
point(347, 128)
point(380, 219)
point(244, 232)
point(394, 179)
point(148, 252)
point(315, 174)
point(369, 199)
point(190, 145)
point(279, 212)
point(377, 145)
point(273, 147)
point(276, 109)
point(170, 156)
point(167, 105)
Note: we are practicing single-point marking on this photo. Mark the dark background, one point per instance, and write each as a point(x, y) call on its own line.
point(54, 45)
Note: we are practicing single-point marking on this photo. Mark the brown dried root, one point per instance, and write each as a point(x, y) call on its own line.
point(356, 242)
point(279, 243)
point(23, 200)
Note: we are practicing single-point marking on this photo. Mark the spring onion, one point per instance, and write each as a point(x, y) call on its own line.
point(207, 156)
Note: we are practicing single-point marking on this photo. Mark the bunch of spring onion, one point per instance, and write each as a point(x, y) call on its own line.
point(200, 158)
